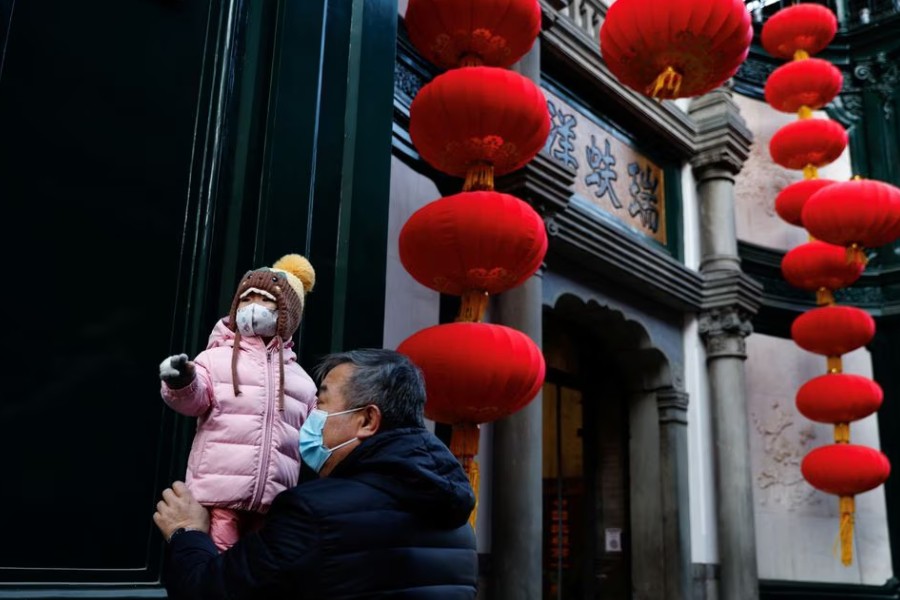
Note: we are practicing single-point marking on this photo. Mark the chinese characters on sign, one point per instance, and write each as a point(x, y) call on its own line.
point(612, 175)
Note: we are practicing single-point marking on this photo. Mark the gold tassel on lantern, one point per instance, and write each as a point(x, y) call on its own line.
point(846, 534)
point(464, 446)
point(666, 85)
point(479, 178)
point(473, 305)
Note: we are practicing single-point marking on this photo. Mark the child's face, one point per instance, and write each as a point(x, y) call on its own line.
point(254, 298)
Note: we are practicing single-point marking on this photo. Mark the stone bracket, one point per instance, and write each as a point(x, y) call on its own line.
point(723, 140)
point(544, 183)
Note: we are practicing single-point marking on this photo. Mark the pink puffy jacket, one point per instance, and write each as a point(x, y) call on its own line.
point(245, 450)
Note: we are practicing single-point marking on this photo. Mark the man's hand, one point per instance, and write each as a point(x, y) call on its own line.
point(179, 509)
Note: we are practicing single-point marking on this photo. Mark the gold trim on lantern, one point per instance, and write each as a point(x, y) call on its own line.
point(801, 54)
point(804, 112)
point(810, 172)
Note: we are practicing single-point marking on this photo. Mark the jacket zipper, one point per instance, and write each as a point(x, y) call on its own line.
point(267, 437)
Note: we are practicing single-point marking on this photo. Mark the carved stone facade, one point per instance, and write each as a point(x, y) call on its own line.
point(724, 331)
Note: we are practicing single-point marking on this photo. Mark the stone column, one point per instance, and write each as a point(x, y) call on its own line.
point(730, 299)
point(724, 331)
point(673, 466)
point(517, 515)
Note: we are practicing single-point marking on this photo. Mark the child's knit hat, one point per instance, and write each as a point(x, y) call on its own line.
point(286, 283)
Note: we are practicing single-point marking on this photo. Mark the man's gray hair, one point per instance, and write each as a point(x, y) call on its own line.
point(384, 378)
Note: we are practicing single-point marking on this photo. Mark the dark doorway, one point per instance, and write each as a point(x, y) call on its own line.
point(585, 469)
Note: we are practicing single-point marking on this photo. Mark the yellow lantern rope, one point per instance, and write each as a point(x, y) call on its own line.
point(846, 531)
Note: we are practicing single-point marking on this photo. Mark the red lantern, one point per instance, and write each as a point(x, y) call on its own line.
point(479, 118)
point(789, 202)
point(452, 33)
point(810, 83)
point(485, 241)
point(808, 28)
point(861, 212)
point(816, 265)
point(475, 372)
point(839, 398)
point(833, 330)
point(815, 142)
point(675, 49)
point(845, 469)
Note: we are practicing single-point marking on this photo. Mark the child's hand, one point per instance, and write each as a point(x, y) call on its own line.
point(177, 371)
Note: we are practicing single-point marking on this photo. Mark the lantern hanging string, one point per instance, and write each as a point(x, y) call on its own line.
point(842, 433)
point(834, 364)
point(846, 532)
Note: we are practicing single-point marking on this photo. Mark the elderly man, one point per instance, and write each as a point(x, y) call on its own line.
point(388, 516)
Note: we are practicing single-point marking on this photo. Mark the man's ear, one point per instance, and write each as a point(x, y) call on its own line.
point(371, 422)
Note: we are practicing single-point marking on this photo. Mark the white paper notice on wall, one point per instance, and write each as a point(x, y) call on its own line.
point(613, 539)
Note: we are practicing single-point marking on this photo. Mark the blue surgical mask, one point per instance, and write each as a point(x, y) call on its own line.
point(312, 447)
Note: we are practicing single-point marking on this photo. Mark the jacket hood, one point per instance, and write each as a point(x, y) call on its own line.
point(417, 469)
point(222, 335)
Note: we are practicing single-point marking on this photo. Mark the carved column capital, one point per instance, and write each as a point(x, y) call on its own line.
point(724, 331)
point(672, 404)
point(723, 139)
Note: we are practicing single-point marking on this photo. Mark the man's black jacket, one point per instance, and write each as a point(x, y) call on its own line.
point(391, 521)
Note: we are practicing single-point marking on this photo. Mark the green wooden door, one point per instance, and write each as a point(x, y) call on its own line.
point(150, 152)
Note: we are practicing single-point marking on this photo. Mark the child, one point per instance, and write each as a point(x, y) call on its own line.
point(251, 398)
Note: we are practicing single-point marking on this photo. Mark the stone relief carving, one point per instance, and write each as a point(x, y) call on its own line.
point(406, 81)
point(880, 75)
point(761, 180)
point(784, 443)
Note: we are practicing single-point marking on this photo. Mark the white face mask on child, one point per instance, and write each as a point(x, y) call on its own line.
point(255, 319)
